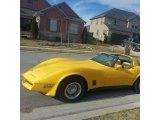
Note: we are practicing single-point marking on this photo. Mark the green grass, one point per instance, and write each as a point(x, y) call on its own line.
point(132, 114)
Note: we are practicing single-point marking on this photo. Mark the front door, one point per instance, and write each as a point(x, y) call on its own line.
point(118, 77)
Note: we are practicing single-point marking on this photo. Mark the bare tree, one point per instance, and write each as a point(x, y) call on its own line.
point(84, 35)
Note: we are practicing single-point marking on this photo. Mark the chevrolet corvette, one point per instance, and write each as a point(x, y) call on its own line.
point(69, 79)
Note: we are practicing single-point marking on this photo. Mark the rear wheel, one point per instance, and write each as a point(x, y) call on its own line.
point(71, 90)
point(136, 85)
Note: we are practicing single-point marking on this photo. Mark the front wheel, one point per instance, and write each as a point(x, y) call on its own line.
point(71, 90)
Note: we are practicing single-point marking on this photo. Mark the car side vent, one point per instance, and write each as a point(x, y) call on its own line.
point(94, 82)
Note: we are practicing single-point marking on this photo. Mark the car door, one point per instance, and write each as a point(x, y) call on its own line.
point(118, 77)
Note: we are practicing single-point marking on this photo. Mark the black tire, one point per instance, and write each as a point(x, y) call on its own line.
point(136, 86)
point(64, 96)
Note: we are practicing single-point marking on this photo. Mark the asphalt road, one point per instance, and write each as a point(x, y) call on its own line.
point(30, 100)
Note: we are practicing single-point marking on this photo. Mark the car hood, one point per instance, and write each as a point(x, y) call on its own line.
point(52, 66)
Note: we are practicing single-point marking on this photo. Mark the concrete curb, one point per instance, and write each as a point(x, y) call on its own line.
point(62, 50)
point(99, 112)
point(57, 50)
point(82, 110)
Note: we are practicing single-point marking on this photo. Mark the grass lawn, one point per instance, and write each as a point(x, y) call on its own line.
point(87, 47)
point(132, 114)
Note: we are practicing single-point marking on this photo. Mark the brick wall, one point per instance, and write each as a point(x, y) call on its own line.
point(45, 33)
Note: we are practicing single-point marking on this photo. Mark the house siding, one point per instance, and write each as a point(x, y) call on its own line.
point(118, 22)
point(96, 25)
point(45, 33)
point(132, 21)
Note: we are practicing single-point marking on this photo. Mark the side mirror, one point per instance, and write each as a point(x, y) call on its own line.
point(118, 66)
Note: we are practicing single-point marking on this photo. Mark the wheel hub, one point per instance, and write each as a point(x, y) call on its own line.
point(72, 90)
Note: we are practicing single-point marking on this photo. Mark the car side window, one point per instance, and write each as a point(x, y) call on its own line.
point(124, 61)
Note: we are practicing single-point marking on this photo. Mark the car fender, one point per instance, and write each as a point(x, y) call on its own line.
point(136, 79)
point(53, 90)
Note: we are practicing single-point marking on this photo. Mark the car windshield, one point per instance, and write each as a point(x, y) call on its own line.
point(106, 59)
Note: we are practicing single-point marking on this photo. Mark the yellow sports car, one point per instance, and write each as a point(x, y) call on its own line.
point(70, 79)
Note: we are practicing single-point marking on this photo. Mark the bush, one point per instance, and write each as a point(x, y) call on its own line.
point(84, 35)
point(106, 38)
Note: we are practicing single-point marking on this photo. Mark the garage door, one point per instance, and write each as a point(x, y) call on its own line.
point(117, 38)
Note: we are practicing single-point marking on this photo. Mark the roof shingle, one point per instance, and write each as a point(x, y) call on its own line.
point(117, 14)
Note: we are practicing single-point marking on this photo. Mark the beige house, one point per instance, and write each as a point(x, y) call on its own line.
point(117, 25)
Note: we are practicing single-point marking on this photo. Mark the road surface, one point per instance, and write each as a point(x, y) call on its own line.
point(30, 100)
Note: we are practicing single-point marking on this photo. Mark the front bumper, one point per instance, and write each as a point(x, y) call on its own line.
point(43, 88)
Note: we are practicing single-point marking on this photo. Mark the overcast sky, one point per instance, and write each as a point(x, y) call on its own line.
point(89, 8)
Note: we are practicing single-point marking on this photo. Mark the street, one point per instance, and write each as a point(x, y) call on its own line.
point(30, 100)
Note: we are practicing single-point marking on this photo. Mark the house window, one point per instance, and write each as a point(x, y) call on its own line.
point(74, 28)
point(133, 26)
point(97, 22)
point(53, 24)
point(136, 27)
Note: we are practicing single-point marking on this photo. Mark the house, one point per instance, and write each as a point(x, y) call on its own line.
point(117, 25)
point(60, 23)
point(27, 9)
point(57, 22)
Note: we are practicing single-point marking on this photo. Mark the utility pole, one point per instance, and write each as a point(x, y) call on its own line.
point(61, 31)
point(68, 38)
point(68, 33)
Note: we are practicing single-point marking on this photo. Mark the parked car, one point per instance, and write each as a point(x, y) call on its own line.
point(26, 34)
point(70, 79)
point(134, 46)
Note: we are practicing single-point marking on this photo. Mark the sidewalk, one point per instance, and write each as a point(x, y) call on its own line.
point(82, 110)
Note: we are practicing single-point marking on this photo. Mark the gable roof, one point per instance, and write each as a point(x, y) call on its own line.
point(117, 14)
point(68, 13)
point(34, 5)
